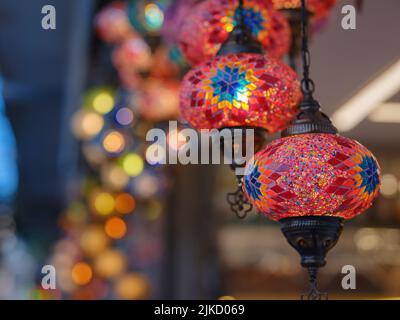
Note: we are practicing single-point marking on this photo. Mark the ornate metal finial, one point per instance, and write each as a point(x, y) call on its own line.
point(240, 39)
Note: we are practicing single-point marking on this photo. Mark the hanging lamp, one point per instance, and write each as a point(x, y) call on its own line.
point(312, 179)
point(241, 88)
point(210, 22)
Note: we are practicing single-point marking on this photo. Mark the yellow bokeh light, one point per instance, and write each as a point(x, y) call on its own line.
point(114, 142)
point(104, 203)
point(110, 264)
point(81, 273)
point(93, 240)
point(133, 164)
point(103, 102)
point(86, 124)
point(132, 286)
point(124, 203)
point(226, 298)
point(114, 177)
point(115, 228)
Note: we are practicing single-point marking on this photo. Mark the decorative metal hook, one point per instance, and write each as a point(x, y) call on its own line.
point(314, 293)
point(238, 201)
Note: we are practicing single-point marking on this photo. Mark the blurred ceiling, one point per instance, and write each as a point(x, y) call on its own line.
point(345, 61)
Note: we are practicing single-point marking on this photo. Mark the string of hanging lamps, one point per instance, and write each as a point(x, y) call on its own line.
point(240, 88)
point(312, 179)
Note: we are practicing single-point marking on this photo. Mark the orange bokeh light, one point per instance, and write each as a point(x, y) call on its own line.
point(81, 273)
point(124, 203)
point(115, 228)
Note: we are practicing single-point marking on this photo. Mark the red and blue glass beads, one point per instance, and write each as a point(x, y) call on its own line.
point(312, 175)
point(210, 22)
point(249, 90)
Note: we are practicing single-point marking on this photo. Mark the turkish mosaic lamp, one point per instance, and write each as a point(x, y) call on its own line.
point(210, 22)
point(312, 179)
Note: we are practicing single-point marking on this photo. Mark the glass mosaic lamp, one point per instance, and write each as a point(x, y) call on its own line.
point(241, 88)
point(210, 22)
point(311, 180)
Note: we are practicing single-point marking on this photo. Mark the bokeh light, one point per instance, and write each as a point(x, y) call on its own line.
point(115, 228)
point(114, 142)
point(114, 177)
point(86, 124)
point(81, 273)
point(102, 101)
point(124, 203)
point(154, 16)
point(124, 116)
point(104, 203)
point(389, 185)
point(133, 164)
point(93, 240)
point(110, 263)
point(132, 286)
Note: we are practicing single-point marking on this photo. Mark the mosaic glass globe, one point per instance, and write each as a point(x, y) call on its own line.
point(316, 7)
point(131, 55)
point(159, 100)
point(312, 175)
point(112, 23)
point(210, 22)
point(250, 90)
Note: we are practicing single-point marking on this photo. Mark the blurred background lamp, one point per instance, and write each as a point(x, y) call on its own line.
point(93, 240)
point(133, 164)
point(114, 142)
point(132, 286)
point(389, 185)
point(81, 273)
point(115, 228)
point(124, 116)
point(124, 203)
point(114, 177)
point(86, 124)
point(104, 203)
point(103, 102)
point(110, 263)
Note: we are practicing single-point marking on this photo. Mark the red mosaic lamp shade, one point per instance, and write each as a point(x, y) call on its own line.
point(112, 23)
point(248, 90)
point(159, 100)
point(316, 7)
point(210, 23)
point(132, 55)
point(312, 175)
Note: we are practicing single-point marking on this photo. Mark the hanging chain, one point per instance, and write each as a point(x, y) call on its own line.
point(238, 202)
point(307, 85)
point(314, 293)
